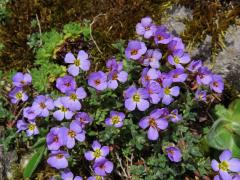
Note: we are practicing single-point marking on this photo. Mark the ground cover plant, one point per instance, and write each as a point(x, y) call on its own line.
point(133, 118)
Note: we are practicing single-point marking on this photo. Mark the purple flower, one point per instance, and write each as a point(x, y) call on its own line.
point(155, 91)
point(174, 116)
point(227, 164)
point(74, 132)
point(81, 62)
point(72, 100)
point(178, 75)
point(42, 105)
point(66, 83)
point(174, 154)
point(169, 92)
point(201, 95)
point(29, 113)
point(217, 83)
point(115, 119)
point(161, 36)
point(113, 65)
point(146, 28)
point(103, 167)
point(204, 76)
point(20, 79)
point(114, 77)
point(136, 98)
point(31, 128)
point(68, 175)
point(135, 49)
point(98, 80)
point(155, 123)
point(99, 152)
point(63, 111)
point(83, 118)
point(161, 76)
point(194, 65)
point(176, 44)
point(178, 58)
point(152, 58)
point(58, 159)
point(148, 75)
point(55, 138)
point(17, 94)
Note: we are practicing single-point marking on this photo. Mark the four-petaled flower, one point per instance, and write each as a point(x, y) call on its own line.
point(99, 152)
point(66, 83)
point(169, 92)
point(178, 58)
point(20, 79)
point(63, 111)
point(58, 159)
point(115, 119)
point(103, 167)
point(174, 153)
point(135, 49)
point(152, 58)
point(42, 104)
point(31, 127)
point(146, 27)
point(17, 94)
point(98, 80)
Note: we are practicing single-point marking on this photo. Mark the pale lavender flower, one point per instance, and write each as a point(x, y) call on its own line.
point(174, 116)
point(115, 119)
point(194, 65)
point(146, 28)
point(83, 118)
point(135, 49)
point(98, 80)
point(179, 58)
point(113, 65)
point(103, 167)
point(29, 113)
point(68, 175)
point(217, 83)
point(174, 153)
point(30, 127)
point(114, 77)
point(42, 104)
point(63, 111)
point(17, 94)
point(55, 138)
point(178, 75)
point(161, 36)
point(152, 58)
point(201, 95)
point(204, 76)
point(148, 75)
point(168, 91)
point(58, 159)
point(155, 92)
point(99, 152)
point(20, 79)
point(66, 83)
point(176, 44)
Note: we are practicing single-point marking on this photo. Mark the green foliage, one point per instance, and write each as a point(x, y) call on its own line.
point(4, 13)
point(34, 162)
point(225, 132)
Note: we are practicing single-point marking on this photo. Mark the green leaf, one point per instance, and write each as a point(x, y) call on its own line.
point(33, 163)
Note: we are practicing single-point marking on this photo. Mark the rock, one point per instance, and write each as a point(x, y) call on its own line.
point(176, 16)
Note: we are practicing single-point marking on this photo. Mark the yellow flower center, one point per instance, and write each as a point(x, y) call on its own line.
point(97, 153)
point(98, 177)
point(134, 52)
point(176, 60)
point(73, 97)
point(63, 109)
point(77, 62)
point(115, 119)
point(71, 133)
point(59, 156)
point(223, 165)
point(136, 97)
point(167, 91)
point(19, 95)
point(31, 127)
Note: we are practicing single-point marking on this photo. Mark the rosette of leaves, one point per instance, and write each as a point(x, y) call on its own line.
point(225, 132)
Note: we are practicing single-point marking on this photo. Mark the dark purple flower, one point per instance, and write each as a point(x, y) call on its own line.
point(174, 116)
point(68, 175)
point(136, 98)
point(176, 44)
point(83, 118)
point(99, 152)
point(201, 95)
point(81, 62)
point(58, 159)
point(148, 75)
point(72, 100)
point(31, 128)
point(114, 77)
point(155, 122)
point(169, 92)
point(98, 80)
point(146, 28)
point(20, 79)
point(66, 83)
point(217, 83)
point(113, 65)
point(204, 76)
point(179, 58)
point(152, 58)
point(155, 92)
point(63, 111)
point(42, 104)
point(55, 138)
point(103, 167)
point(17, 94)
point(115, 119)
point(74, 132)
point(174, 154)
point(161, 36)
point(178, 75)
point(29, 113)
point(227, 164)
point(135, 49)
point(194, 65)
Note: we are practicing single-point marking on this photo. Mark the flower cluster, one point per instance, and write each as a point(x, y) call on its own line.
point(162, 77)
